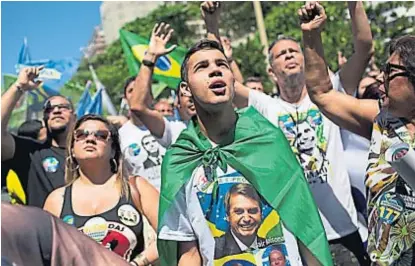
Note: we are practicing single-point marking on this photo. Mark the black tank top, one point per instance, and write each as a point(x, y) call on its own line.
point(119, 229)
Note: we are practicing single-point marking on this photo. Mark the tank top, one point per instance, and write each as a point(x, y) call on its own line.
point(119, 229)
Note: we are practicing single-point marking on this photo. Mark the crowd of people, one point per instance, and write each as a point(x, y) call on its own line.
point(239, 178)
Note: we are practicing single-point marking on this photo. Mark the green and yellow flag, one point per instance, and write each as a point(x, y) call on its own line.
point(167, 69)
point(262, 154)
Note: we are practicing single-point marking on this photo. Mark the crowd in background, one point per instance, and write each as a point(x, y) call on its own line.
point(206, 178)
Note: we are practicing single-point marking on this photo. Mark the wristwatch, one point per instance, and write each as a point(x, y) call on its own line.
point(148, 63)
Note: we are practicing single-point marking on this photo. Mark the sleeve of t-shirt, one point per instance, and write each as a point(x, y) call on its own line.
point(171, 132)
point(260, 101)
point(176, 223)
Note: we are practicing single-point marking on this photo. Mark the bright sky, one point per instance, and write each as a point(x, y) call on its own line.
point(54, 30)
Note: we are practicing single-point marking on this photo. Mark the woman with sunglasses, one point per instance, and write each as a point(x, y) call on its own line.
point(98, 199)
point(390, 199)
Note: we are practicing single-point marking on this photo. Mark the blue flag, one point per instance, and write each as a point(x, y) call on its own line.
point(84, 101)
point(24, 55)
point(95, 107)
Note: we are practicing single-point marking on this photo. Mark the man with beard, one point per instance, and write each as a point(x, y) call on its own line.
point(40, 166)
point(293, 105)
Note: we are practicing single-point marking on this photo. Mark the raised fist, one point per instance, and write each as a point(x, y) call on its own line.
point(210, 11)
point(312, 16)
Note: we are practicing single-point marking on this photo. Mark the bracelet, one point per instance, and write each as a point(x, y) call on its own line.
point(148, 63)
point(134, 263)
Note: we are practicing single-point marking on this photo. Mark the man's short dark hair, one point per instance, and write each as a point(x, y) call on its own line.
point(253, 79)
point(126, 83)
point(404, 46)
point(47, 101)
point(246, 190)
point(204, 44)
point(279, 39)
point(30, 129)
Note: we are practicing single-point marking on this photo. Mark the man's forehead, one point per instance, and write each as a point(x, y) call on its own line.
point(58, 100)
point(205, 55)
point(284, 45)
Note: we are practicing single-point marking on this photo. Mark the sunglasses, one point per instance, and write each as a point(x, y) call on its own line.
point(387, 70)
point(101, 135)
point(48, 108)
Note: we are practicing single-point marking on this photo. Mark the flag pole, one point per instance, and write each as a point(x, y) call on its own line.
point(261, 27)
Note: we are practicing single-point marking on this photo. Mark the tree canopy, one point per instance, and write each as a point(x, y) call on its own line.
point(238, 22)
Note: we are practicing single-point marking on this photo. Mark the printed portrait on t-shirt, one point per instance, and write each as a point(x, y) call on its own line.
point(304, 131)
point(242, 223)
point(151, 146)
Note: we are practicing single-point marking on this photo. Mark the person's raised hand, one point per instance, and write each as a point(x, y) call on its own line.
point(312, 16)
point(210, 11)
point(227, 47)
point(26, 79)
point(160, 36)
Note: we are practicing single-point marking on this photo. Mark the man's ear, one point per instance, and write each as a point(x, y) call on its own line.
point(184, 88)
point(272, 75)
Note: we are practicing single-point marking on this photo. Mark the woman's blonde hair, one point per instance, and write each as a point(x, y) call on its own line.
point(72, 166)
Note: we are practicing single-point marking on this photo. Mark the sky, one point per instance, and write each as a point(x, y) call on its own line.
point(54, 30)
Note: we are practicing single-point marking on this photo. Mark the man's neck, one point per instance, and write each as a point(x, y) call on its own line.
point(59, 140)
point(293, 95)
point(219, 127)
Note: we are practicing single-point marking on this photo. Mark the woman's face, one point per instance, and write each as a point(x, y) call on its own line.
point(92, 140)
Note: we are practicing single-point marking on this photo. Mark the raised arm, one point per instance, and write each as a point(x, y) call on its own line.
point(352, 71)
point(344, 110)
point(138, 101)
point(9, 99)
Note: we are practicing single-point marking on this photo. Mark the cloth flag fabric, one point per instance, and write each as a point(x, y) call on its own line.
point(167, 67)
point(279, 179)
point(84, 101)
point(95, 107)
point(24, 54)
point(106, 100)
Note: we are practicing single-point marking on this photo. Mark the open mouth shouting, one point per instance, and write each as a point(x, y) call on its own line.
point(218, 87)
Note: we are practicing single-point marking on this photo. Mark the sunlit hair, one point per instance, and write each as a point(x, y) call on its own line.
point(72, 167)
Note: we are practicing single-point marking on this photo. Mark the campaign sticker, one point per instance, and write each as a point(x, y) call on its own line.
point(128, 215)
point(96, 228)
point(69, 219)
point(390, 208)
point(50, 164)
point(134, 149)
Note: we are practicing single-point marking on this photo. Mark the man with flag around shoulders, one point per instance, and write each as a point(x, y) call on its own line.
point(232, 177)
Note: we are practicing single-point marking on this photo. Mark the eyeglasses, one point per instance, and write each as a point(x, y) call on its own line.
point(388, 68)
point(48, 108)
point(101, 135)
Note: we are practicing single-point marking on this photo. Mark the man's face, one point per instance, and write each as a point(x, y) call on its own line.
point(164, 108)
point(255, 86)
point(59, 114)
point(210, 79)
point(244, 215)
point(305, 137)
point(276, 258)
point(401, 93)
point(287, 59)
point(150, 144)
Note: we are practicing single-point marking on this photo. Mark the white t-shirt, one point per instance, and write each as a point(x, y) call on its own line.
point(246, 235)
point(172, 130)
point(143, 155)
point(318, 146)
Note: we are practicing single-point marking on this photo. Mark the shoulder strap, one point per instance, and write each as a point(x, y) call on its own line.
point(134, 192)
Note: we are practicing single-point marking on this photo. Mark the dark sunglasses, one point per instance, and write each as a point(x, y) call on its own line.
point(387, 69)
point(48, 108)
point(101, 135)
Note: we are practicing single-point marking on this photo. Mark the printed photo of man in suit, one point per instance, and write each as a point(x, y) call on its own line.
point(244, 214)
point(150, 144)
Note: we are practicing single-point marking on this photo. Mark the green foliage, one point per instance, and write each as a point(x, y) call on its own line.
point(237, 21)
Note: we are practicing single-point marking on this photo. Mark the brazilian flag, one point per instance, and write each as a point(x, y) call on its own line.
point(167, 69)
